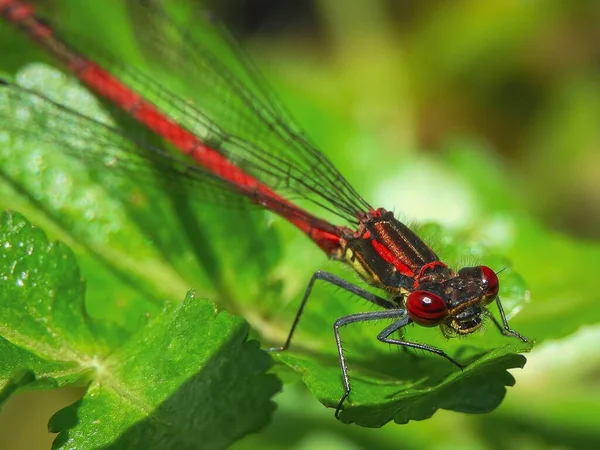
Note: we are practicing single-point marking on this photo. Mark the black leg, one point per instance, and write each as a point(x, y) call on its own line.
point(337, 281)
point(504, 328)
point(396, 313)
point(387, 331)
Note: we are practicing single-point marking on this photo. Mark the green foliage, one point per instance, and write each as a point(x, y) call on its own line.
point(174, 384)
point(137, 245)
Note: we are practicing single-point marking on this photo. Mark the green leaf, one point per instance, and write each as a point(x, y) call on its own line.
point(401, 390)
point(189, 379)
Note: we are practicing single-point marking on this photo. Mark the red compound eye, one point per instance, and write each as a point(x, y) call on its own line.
point(491, 285)
point(426, 309)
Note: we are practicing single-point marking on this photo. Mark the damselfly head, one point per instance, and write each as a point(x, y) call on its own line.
point(457, 303)
point(467, 294)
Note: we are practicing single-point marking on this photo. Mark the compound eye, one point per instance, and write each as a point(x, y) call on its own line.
point(491, 285)
point(426, 309)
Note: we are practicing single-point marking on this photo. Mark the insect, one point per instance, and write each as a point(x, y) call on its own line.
point(259, 154)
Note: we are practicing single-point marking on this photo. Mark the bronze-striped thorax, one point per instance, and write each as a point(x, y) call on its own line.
point(387, 254)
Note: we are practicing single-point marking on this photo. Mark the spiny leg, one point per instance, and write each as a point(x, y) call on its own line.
point(504, 328)
point(396, 313)
point(337, 281)
point(387, 331)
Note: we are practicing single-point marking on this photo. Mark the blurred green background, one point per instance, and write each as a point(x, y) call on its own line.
point(376, 81)
point(521, 77)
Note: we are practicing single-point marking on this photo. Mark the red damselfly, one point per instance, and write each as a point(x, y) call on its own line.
point(261, 155)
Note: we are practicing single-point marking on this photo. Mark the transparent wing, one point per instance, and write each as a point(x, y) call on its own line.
point(31, 115)
point(231, 108)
